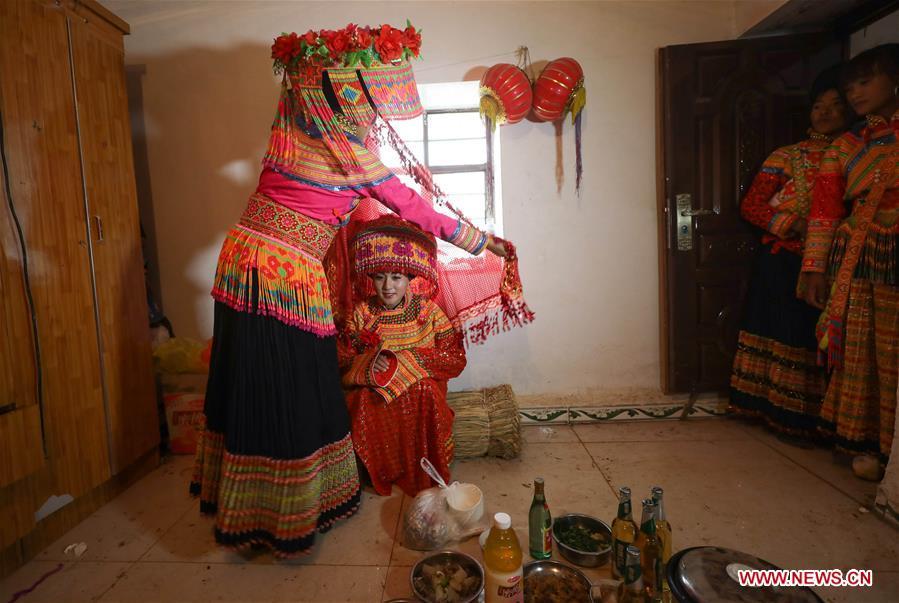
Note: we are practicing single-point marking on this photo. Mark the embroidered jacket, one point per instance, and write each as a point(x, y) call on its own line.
point(847, 174)
point(416, 338)
point(781, 192)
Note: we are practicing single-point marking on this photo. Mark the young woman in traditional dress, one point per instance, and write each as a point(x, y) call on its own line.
point(397, 354)
point(775, 375)
point(851, 264)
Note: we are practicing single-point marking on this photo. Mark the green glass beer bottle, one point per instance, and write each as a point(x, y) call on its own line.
point(540, 528)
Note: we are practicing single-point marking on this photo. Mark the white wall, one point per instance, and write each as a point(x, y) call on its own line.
point(589, 263)
point(880, 32)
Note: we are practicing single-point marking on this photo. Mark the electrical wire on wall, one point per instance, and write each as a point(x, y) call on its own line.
point(39, 385)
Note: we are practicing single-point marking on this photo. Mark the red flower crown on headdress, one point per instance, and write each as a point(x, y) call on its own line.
point(348, 47)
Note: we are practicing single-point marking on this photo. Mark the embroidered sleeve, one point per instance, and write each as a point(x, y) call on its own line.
point(412, 207)
point(772, 176)
point(469, 238)
point(781, 223)
point(827, 209)
point(357, 350)
point(446, 359)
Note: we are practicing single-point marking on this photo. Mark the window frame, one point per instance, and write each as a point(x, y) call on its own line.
point(486, 167)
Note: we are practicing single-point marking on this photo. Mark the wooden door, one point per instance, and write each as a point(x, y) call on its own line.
point(41, 148)
point(724, 107)
point(105, 134)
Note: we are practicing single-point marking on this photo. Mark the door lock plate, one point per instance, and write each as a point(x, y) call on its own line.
point(684, 203)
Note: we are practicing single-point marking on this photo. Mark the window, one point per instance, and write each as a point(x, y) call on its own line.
point(452, 140)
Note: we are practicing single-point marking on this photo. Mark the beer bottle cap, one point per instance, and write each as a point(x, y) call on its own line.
point(502, 521)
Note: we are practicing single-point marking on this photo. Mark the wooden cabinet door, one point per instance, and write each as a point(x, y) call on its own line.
point(22, 448)
point(45, 185)
point(105, 132)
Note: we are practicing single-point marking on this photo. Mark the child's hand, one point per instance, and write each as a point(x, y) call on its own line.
point(381, 364)
point(496, 247)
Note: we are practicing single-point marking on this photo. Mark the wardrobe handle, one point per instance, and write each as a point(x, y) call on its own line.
point(99, 228)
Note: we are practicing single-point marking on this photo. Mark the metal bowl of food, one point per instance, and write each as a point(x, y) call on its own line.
point(555, 582)
point(447, 576)
point(582, 539)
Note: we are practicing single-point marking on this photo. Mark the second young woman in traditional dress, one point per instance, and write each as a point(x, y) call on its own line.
point(775, 375)
point(851, 262)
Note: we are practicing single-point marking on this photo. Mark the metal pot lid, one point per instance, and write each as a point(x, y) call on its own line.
point(710, 575)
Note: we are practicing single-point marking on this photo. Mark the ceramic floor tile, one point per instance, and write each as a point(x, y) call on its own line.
point(716, 429)
point(364, 539)
point(191, 540)
point(127, 526)
point(884, 590)
point(77, 582)
point(745, 496)
point(166, 486)
point(111, 536)
point(837, 471)
point(542, 434)
point(201, 582)
point(397, 585)
point(573, 484)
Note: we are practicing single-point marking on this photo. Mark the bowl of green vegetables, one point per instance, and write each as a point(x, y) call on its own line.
point(582, 539)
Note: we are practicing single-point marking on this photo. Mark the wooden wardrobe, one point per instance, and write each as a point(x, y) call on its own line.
point(78, 415)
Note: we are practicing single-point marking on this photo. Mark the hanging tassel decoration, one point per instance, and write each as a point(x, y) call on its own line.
point(560, 170)
point(280, 149)
point(332, 133)
point(489, 110)
point(579, 163)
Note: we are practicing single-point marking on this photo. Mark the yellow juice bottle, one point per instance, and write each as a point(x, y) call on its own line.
point(502, 563)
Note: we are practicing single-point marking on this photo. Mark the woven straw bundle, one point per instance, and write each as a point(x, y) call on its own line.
point(486, 423)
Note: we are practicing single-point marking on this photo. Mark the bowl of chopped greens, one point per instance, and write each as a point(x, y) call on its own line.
point(447, 577)
point(582, 539)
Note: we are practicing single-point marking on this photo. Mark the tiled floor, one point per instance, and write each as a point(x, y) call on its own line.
point(726, 483)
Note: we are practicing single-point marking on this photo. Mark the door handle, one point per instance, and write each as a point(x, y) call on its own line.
point(99, 223)
point(685, 214)
point(697, 212)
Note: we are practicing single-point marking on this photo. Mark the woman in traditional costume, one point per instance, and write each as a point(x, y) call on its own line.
point(775, 375)
point(853, 242)
point(275, 463)
point(397, 353)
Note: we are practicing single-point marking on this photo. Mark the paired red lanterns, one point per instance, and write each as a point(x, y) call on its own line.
point(560, 88)
point(505, 95)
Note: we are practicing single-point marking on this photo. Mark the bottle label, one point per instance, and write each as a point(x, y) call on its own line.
point(619, 551)
point(548, 540)
point(505, 587)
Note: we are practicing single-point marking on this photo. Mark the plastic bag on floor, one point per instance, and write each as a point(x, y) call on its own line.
point(443, 514)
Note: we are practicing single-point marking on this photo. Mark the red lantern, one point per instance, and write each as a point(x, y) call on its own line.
point(505, 94)
point(559, 88)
